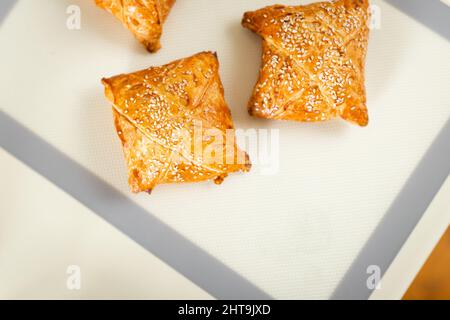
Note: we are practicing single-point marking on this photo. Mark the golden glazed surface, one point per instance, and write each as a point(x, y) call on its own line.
point(313, 61)
point(142, 17)
point(174, 123)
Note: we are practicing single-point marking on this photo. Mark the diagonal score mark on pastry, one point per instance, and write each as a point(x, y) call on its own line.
point(313, 61)
point(144, 18)
point(162, 113)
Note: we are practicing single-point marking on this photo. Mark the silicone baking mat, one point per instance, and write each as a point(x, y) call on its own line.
point(294, 234)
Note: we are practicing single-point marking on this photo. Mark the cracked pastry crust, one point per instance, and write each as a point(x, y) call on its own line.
point(313, 61)
point(144, 18)
point(174, 123)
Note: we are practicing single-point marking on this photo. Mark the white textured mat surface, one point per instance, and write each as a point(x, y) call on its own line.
point(43, 231)
point(293, 234)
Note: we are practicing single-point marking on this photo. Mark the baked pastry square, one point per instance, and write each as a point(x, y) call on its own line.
point(174, 123)
point(313, 61)
point(144, 18)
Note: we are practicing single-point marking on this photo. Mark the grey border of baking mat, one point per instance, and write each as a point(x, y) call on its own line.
point(5, 6)
point(134, 221)
point(425, 182)
point(201, 268)
point(432, 13)
point(400, 220)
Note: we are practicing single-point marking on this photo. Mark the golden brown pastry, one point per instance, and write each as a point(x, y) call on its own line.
point(142, 17)
point(313, 61)
point(174, 123)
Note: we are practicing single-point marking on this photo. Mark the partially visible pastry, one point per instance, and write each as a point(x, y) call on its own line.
point(144, 18)
point(313, 61)
point(174, 123)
